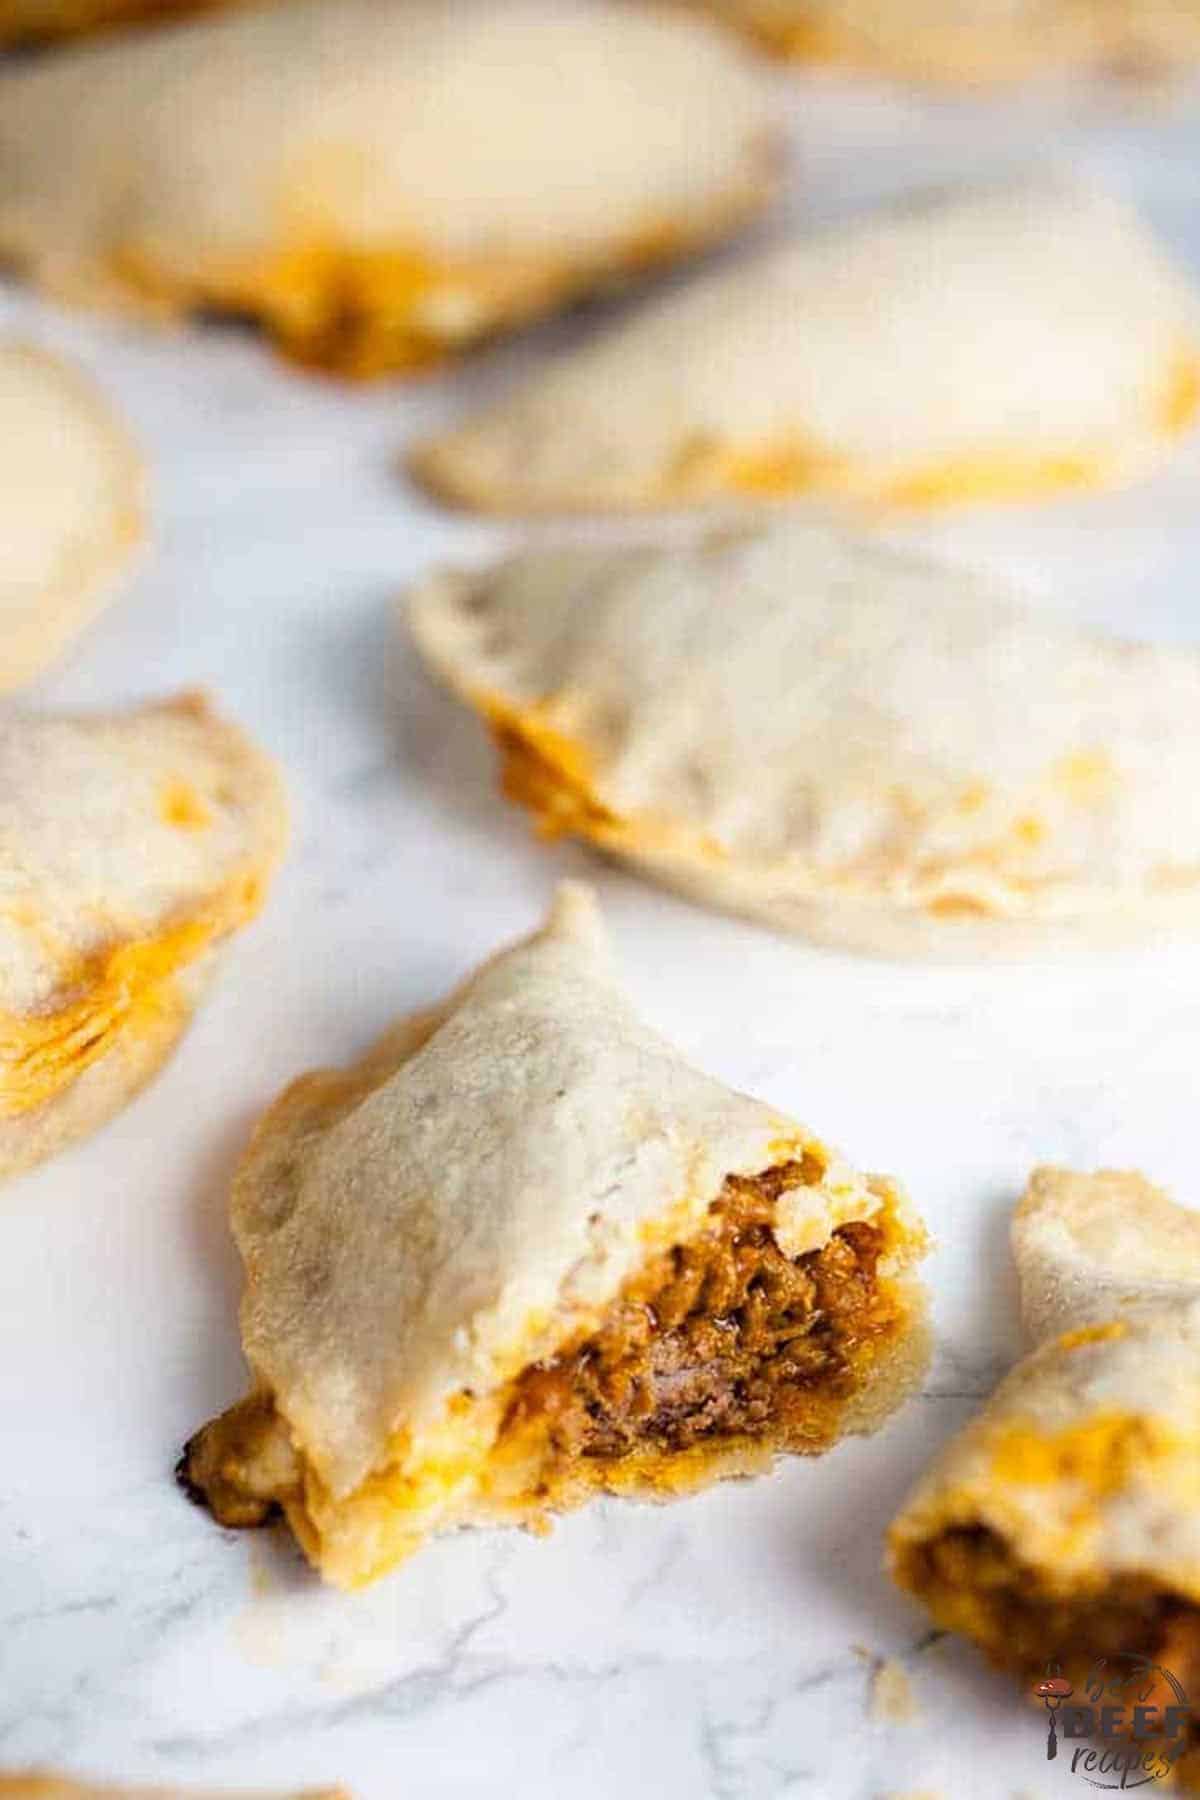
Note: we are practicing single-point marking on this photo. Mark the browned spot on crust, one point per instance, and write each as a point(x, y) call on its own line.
point(242, 1466)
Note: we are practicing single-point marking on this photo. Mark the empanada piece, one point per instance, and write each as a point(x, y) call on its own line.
point(1008, 344)
point(1089, 1247)
point(1063, 1525)
point(973, 42)
point(380, 182)
point(40, 21)
point(37, 1785)
point(131, 846)
point(523, 1254)
point(837, 738)
point(71, 503)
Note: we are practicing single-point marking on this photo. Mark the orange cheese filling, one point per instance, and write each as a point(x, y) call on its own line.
point(366, 313)
point(720, 1351)
point(184, 808)
point(782, 470)
point(109, 992)
point(1180, 406)
point(552, 775)
point(1102, 1454)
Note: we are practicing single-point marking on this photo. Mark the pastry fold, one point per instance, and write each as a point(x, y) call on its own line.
point(71, 507)
point(131, 847)
point(1012, 343)
point(380, 183)
point(837, 738)
point(523, 1254)
point(973, 42)
point(1063, 1525)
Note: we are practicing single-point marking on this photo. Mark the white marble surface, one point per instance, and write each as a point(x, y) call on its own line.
point(719, 1650)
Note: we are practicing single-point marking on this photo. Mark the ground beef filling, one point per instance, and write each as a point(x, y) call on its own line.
point(720, 1338)
point(1023, 1624)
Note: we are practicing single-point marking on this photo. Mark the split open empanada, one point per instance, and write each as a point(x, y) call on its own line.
point(836, 737)
point(1063, 1525)
point(523, 1254)
point(1008, 344)
point(130, 847)
point(379, 181)
point(973, 41)
point(70, 507)
point(37, 1785)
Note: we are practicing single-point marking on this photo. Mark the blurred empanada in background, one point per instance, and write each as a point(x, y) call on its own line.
point(1063, 1524)
point(380, 182)
point(973, 42)
point(38, 1785)
point(39, 21)
point(1006, 344)
point(71, 507)
point(131, 846)
point(836, 737)
point(522, 1254)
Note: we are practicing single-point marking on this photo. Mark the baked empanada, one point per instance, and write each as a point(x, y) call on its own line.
point(836, 737)
point(973, 42)
point(37, 1785)
point(130, 847)
point(1063, 1525)
point(71, 502)
point(522, 1254)
point(1009, 344)
point(379, 182)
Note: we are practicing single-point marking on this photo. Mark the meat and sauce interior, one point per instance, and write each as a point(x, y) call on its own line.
point(717, 1341)
point(1025, 1619)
